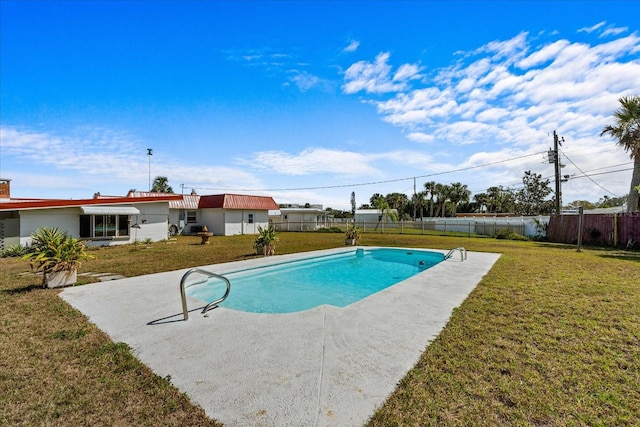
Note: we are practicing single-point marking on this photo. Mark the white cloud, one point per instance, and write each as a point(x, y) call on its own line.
point(407, 72)
point(614, 31)
point(592, 28)
point(311, 161)
point(352, 46)
point(92, 153)
point(375, 77)
point(304, 80)
point(509, 51)
point(420, 137)
point(547, 53)
point(495, 96)
point(506, 98)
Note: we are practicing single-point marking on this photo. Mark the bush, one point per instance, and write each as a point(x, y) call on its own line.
point(14, 251)
point(509, 234)
point(329, 230)
point(53, 250)
point(265, 243)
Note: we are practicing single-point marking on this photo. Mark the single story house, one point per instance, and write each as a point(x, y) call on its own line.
point(112, 220)
point(223, 214)
point(101, 221)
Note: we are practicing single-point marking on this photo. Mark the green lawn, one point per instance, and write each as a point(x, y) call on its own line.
point(549, 337)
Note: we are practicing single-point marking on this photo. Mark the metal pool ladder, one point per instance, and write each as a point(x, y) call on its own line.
point(212, 304)
point(463, 253)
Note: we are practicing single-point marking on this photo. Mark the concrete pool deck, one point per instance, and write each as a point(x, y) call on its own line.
point(326, 366)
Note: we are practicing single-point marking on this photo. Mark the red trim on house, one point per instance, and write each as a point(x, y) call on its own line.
point(17, 204)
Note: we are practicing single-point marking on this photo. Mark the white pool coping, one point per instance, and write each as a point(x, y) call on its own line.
point(326, 366)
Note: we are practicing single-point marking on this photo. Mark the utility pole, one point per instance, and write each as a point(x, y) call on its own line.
point(554, 157)
point(414, 198)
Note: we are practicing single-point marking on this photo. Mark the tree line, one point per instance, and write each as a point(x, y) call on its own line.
point(447, 200)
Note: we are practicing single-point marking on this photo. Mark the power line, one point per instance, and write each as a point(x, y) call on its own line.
point(583, 173)
point(327, 187)
point(520, 184)
point(601, 173)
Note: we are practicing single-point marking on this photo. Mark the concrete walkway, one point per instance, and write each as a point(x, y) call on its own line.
point(322, 367)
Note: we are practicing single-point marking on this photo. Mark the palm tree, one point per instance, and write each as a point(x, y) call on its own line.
point(442, 197)
point(627, 131)
point(397, 201)
point(458, 192)
point(374, 200)
point(418, 203)
point(493, 194)
point(481, 201)
point(161, 185)
point(429, 189)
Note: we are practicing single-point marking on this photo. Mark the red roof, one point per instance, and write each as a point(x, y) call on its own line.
point(237, 201)
point(15, 204)
point(176, 201)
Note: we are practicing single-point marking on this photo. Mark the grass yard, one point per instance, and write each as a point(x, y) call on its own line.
point(549, 337)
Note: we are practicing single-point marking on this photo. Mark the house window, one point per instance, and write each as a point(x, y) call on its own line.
point(92, 226)
point(250, 218)
point(191, 217)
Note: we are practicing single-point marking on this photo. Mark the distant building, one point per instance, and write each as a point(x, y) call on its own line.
point(296, 218)
point(375, 215)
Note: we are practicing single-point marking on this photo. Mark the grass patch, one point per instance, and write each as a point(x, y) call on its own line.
point(549, 337)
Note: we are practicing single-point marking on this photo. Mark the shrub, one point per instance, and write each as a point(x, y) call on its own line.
point(53, 250)
point(329, 230)
point(265, 243)
point(509, 234)
point(14, 251)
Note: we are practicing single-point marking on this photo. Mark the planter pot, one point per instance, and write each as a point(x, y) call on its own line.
point(351, 242)
point(61, 278)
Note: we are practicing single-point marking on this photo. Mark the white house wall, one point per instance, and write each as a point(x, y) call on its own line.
point(213, 219)
point(231, 222)
point(67, 219)
point(260, 218)
point(153, 220)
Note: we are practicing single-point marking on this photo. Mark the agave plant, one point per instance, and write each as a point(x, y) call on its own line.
point(265, 243)
point(52, 250)
point(352, 234)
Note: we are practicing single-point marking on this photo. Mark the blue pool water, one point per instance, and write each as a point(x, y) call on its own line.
point(338, 280)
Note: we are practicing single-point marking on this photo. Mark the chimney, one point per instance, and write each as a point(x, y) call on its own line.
point(5, 188)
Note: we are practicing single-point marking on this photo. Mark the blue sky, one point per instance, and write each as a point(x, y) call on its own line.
point(309, 101)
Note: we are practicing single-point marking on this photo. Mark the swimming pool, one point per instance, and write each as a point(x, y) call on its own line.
point(339, 280)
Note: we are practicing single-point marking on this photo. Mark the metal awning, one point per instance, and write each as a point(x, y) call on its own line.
point(109, 210)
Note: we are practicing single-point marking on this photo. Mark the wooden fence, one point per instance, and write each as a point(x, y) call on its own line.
point(619, 229)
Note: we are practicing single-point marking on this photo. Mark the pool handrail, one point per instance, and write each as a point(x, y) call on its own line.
point(463, 253)
point(212, 304)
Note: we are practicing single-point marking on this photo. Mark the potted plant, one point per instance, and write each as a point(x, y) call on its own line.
point(353, 234)
point(57, 256)
point(265, 243)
